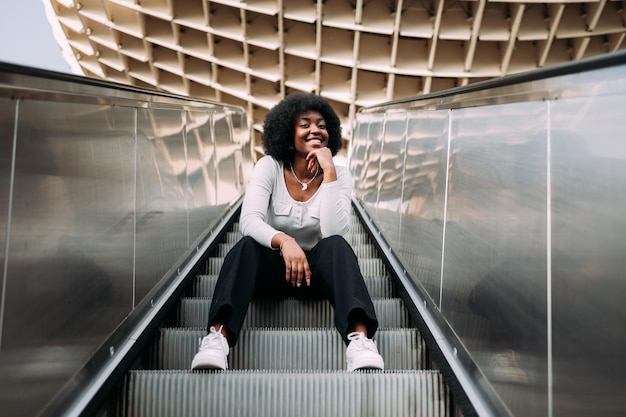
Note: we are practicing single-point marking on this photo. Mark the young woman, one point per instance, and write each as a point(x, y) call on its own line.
point(295, 212)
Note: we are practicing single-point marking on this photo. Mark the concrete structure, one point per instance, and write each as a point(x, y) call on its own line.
point(355, 53)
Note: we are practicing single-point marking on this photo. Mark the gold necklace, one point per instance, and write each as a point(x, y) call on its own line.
point(305, 185)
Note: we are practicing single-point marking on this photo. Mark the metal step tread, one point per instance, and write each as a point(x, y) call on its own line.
point(194, 311)
point(368, 266)
point(379, 286)
point(285, 393)
point(361, 250)
point(353, 238)
point(289, 360)
point(355, 224)
point(289, 348)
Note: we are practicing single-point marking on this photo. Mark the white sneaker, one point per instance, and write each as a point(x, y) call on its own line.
point(361, 353)
point(212, 352)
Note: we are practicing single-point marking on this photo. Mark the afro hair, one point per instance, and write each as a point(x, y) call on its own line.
point(279, 124)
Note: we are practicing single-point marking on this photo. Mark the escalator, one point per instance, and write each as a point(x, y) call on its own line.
point(289, 360)
point(447, 187)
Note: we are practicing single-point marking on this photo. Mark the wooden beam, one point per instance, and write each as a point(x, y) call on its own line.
point(518, 14)
point(436, 30)
point(476, 24)
point(556, 12)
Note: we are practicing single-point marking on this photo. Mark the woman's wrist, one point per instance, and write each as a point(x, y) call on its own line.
point(280, 247)
point(330, 175)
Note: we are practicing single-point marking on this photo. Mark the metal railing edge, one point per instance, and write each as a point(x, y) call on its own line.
point(565, 68)
point(27, 71)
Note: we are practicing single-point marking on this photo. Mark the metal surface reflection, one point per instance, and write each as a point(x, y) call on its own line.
point(497, 189)
point(7, 121)
point(509, 217)
point(161, 197)
point(68, 263)
point(367, 166)
point(588, 167)
point(110, 188)
point(229, 157)
point(423, 197)
point(201, 172)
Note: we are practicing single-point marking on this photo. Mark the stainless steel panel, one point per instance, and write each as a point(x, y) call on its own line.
point(219, 164)
point(69, 265)
point(112, 186)
point(588, 172)
point(423, 198)
point(201, 172)
point(161, 195)
point(495, 255)
point(391, 163)
point(240, 131)
point(229, 159)
point(385, 171)
point(7, 130)
point(360, 146)
point(528, 214)
point(369, 175)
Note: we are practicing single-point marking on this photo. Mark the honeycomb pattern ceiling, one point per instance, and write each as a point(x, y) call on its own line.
point(353, 52)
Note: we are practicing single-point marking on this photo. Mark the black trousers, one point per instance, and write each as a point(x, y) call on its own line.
point(254, 271)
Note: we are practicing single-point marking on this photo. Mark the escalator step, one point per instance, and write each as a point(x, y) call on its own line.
point(352, 238)
point(368, 266)
point(355, 225)
point(360, 250)
point(378, 286)
point(292, 349)
point(290, 360)
point(193, 312)
point(275, 393)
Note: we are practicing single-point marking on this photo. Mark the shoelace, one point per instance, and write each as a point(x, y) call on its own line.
point(362, 341)
point(212, 340)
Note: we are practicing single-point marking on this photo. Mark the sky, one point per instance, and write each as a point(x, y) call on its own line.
point(26, 36)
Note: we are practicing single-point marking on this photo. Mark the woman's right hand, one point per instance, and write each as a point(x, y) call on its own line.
point(296, 265)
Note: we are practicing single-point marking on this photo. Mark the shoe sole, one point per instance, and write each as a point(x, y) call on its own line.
point(367, 364)
point(208, 363)
point(207, 367)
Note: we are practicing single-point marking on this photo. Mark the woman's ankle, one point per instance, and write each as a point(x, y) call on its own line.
point(361, 328)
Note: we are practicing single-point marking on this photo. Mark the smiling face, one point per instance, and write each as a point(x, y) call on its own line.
point(310, 132)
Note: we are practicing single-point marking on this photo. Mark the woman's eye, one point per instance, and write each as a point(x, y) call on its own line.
point(323, 127)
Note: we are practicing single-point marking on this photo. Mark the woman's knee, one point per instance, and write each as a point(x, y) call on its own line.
point(246, 243)
point(334, 241)
point(245, 248)
point(333, 256)
point(246, 240)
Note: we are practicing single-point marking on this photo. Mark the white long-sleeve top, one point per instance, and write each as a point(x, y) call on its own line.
point(269, 209)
